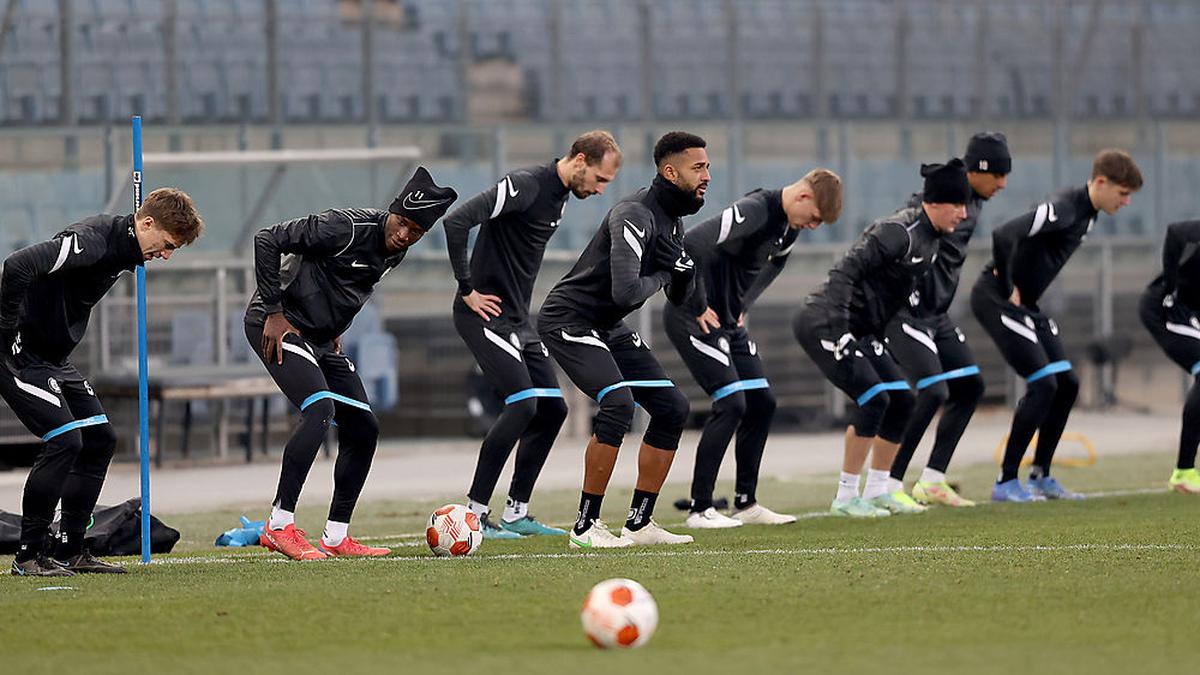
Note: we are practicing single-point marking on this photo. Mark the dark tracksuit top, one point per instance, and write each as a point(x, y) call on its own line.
point(334, 261)
point(518, 216)
point(878, 274)
point(1173, 322)
point(48, 289)
point(1181, 264)
point(935, 291)
point(617, 271)
point(738, 254)
point(1029, 251)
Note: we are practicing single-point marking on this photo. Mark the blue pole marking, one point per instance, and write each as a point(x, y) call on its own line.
point(313, 398)
point(634, 383)
point(1049, 369)
point(882, 386)
point(143, 374)
point(77, 424)
point(536, 392)
point(965, 371)
point(740, 385)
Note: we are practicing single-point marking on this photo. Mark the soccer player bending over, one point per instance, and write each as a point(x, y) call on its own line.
point(933, 351)
point(738, 254)
point(47, 293)
point(1027, 254)
point(637, 251)
point(1170, 310)
point(314, 274)
point(491, 313)
point(841, 327)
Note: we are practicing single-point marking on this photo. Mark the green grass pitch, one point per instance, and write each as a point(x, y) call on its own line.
point(1105, 585)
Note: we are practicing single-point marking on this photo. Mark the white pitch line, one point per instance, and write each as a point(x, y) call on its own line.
point(867, 550)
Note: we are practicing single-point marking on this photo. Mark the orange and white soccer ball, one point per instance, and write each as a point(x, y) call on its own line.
point(619, 613)
point(453, 530)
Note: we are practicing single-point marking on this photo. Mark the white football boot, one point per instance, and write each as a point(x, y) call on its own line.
point(710, 519)
point(757, 514)
point(652, 534)
point(597, 536)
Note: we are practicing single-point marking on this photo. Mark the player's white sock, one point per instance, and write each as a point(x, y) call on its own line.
point(847, 487)
point(335, 532)
point(478, 509)
point(280, 518)
point(932, 476)
point(895, 486)
point(514, 510)
point(877, 484)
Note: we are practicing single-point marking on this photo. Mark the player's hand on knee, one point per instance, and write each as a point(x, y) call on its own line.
point(486, 306)
point(1176, 311)
point(708, 320)
point(274, 330)
point(10, 343)
point(845, 346)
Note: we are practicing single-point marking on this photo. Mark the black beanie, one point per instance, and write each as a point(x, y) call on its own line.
point(422, 201)
point(946, 183)
point(987, 151)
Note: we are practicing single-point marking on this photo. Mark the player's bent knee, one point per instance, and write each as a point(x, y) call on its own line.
point(868, 416)
point(522, 411)
point(1042, 390)
point(614, 417)
point(1068, 384)
point(969, 388)
point(936, 394)
point(733, 405)
point(552, 410)
point(100, 440)
point(318, 412)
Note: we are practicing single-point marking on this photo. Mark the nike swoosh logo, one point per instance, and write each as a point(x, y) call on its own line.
point(737, 215)
point(1050, 214)
point(917, 260)
point(75, 244)
point(580, 544)
point(640, 233)
point(418, 204)
point(512, 190)
point(359, 264)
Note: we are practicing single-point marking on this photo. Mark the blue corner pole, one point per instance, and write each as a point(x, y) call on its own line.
point(143, 382)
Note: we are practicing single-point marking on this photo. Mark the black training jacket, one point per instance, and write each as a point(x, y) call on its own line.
point(518, 216)
point(1029, 250)
point(738, 254)
point(1181, 264)
point(320, 270)
point(877, 276)
point(48, 290)
point(935, 291)
point(618, 270)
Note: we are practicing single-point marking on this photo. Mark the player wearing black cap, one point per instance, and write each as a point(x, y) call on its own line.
point(841, 325)
point(738, 254)
point(491, 313)
point(932, 350)
point(1027, 254)
point(1169, 309)
point(47, 294)
point(637, 251)
point(330, 265)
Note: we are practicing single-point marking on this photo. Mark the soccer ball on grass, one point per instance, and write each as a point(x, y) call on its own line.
point(619, 613)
